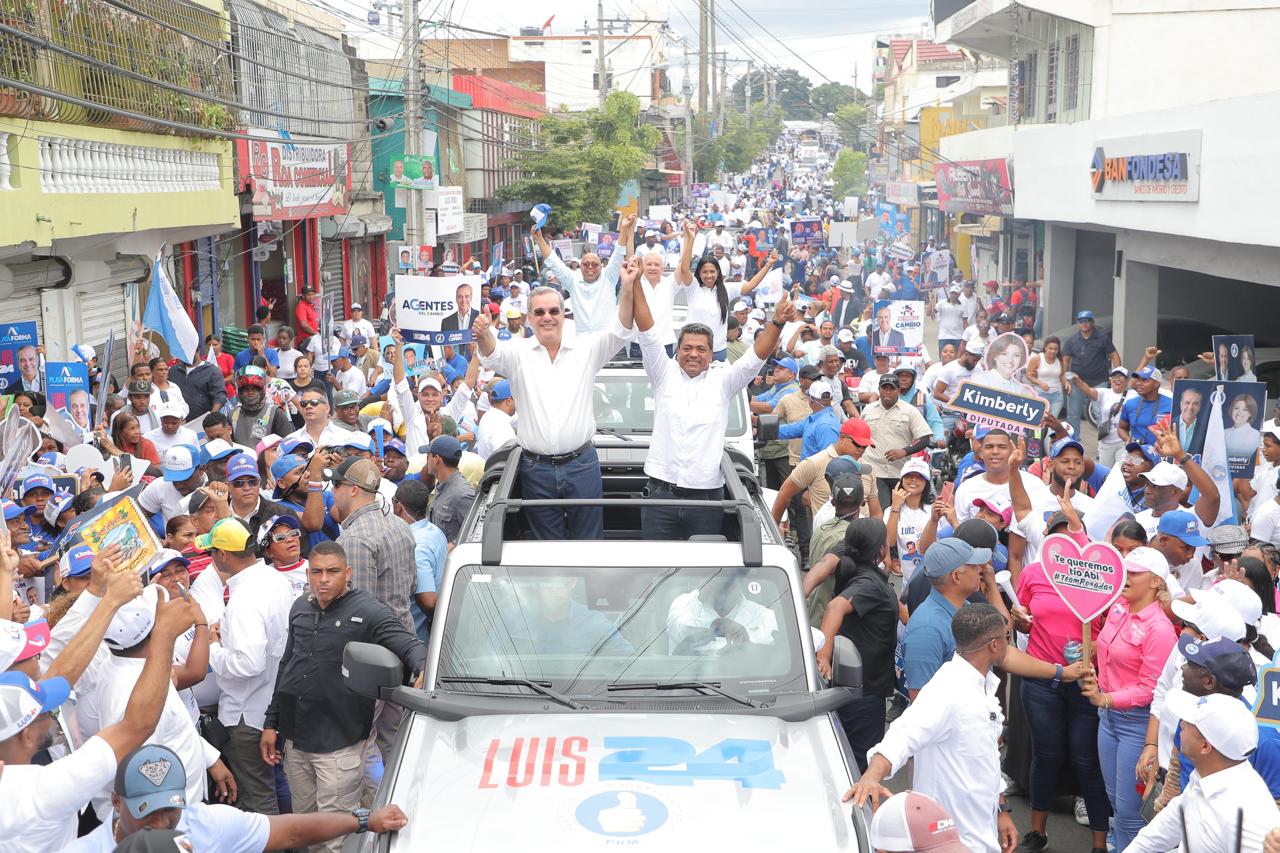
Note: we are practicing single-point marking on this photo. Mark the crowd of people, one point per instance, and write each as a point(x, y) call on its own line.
point(305, 493)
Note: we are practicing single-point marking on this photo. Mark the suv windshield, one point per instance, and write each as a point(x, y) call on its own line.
point(625, 403)
point(581, 631)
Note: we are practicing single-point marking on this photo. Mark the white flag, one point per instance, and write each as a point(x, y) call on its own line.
point(1214, 459)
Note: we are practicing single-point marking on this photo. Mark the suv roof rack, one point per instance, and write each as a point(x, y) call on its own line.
point(502, 471)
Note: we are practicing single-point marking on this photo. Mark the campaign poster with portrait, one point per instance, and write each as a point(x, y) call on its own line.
point(436, 310)
point(413, 260)
point(1234, 358)
point(19, 358)
point(608, 241)
point(937, 269)
point(893, 225)
point(421, 171)
point(898, 328)
point(67, 386)
point(808, 232)
point(1239, 407)
point(1004, 366)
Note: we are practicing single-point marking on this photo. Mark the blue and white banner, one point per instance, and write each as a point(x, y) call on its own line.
point(19, 359)
point(166, 316)
point(985, 406)
point(436, 310)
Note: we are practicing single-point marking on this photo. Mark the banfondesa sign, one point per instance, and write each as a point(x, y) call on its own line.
point(1155, 167)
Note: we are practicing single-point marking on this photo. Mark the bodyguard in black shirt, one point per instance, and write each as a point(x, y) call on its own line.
point(322, 726)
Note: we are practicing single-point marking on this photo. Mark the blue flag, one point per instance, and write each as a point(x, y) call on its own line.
point(166, 316)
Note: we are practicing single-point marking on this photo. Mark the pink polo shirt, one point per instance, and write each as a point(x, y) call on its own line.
point(1132, 650)
point(1053, 625)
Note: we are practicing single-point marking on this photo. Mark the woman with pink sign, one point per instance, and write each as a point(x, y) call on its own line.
point(1131, 651)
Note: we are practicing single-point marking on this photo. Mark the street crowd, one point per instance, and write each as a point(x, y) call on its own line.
point(306, 493)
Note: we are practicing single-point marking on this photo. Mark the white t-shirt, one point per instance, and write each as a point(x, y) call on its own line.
point(210, 829)
point(361, 326)
point(1266, 523)
point(978, 487)
point(41, 802)
point(952, 373)
point(1107, 400)
point(352, 379)
point(930, 379)
point(320, 358)
point(971, 332)
point(704, 308)
point(1264, 485)
point(911, 523)
point(164, 442)
point(287, 359)
point(163, 497)
point(950, 320)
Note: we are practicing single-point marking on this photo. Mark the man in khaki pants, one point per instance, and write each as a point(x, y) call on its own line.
point(325, 728)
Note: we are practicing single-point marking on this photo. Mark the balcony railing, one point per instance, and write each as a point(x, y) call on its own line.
point(82, 166)
point(99, 45)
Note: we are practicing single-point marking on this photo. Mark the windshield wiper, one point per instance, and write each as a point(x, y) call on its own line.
point(710, 686)
point(536, 686)
point(611, 431)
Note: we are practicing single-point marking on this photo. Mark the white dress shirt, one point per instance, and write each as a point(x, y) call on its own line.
point(495, 429)
point(661, 297)
point(255, 626)
point(952, 729)
point(1209, 809)
point(689, 613)
point(175, 728)
point(595, 303)
point(554, 398)
point(691, 414)
point(330, 436)
point(704, 308)
point(41, 801)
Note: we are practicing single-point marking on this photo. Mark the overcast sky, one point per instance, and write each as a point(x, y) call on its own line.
point(829, 35)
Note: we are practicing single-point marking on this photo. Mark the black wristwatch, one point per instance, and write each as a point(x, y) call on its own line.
point(361, 815)
point(1005, 808)
point(779, 324)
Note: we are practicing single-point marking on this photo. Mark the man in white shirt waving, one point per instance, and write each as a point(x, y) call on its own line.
point(952, 729)
point(552, 379)
point(591, 289)
point(692, 395)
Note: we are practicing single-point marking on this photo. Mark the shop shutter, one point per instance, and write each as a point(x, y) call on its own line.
point(25, 308)
point(361, 251)
point(331, 276)
point(101, 311)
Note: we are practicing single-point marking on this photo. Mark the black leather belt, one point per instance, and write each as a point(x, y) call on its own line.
point(678, 491)
point(559, 458)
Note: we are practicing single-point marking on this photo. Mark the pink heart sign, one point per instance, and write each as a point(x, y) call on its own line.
point(1087, 581)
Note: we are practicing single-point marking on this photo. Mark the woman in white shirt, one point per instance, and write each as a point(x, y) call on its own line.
point(1109, 401)
point(708, 296)
point(908, 516)
point(1045, 372)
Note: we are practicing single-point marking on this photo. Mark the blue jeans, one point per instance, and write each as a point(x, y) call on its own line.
point(721, 355)
point(1120, 737)
point(1076, 403)
point(576, 478)
point(1063, 723)
point(1055, 401)
point(673, 522)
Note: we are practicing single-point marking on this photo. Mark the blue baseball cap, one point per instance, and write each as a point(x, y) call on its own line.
point(292, 445)
point(285, 463)
point(53, 458)
point(394, 444)
point(37, 481)
point(947, 555)
point(1146, 450)
point(500, 390)
point(1148, 372)
point(840, 466)
point(163, 557)
point(1083, 315)
point(344, 352)
point(13, 510)
point(77, 562)
point(788, 363)
point(180, 462)
point(241, 465)
point(1064, 443)
point(1223, 657)
point(151, 778)
point(1184, 526)
point(447, 447)
point(22, 700)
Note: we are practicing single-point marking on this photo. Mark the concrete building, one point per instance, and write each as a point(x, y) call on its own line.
point(1143, 170)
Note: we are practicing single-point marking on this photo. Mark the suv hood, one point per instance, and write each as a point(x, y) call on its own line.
point(647, 781)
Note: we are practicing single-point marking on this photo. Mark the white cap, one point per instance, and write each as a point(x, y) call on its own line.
point(1166, 474)
point(756, 314)
point(741, 306)
point(1241, 599)
point(428, 381)
point(358, 440)
point(916, 465)
point(1213, 615)
point(819, 391)
point(219, 448)
point(955, 288)
point(1224, 721)
point(845, 335)
point(170, 408)
point(134, 621)
point(914, 821)
point(975, 347)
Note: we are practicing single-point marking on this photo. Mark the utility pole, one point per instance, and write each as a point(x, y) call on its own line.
point(600, 75)
point(688, 126)
point(716, 94)
point(751, 65)
point(722, 101)
point(414, 232)
point(702, 57)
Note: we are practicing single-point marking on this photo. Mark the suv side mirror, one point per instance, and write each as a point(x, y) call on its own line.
point(846, 665)
point(767, 427)
point(370, 670)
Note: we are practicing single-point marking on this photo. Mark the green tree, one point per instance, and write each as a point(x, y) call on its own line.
point(849, 173)
point(850, 120)
point(830, 97)
point(794, 96)
point(578, 163)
